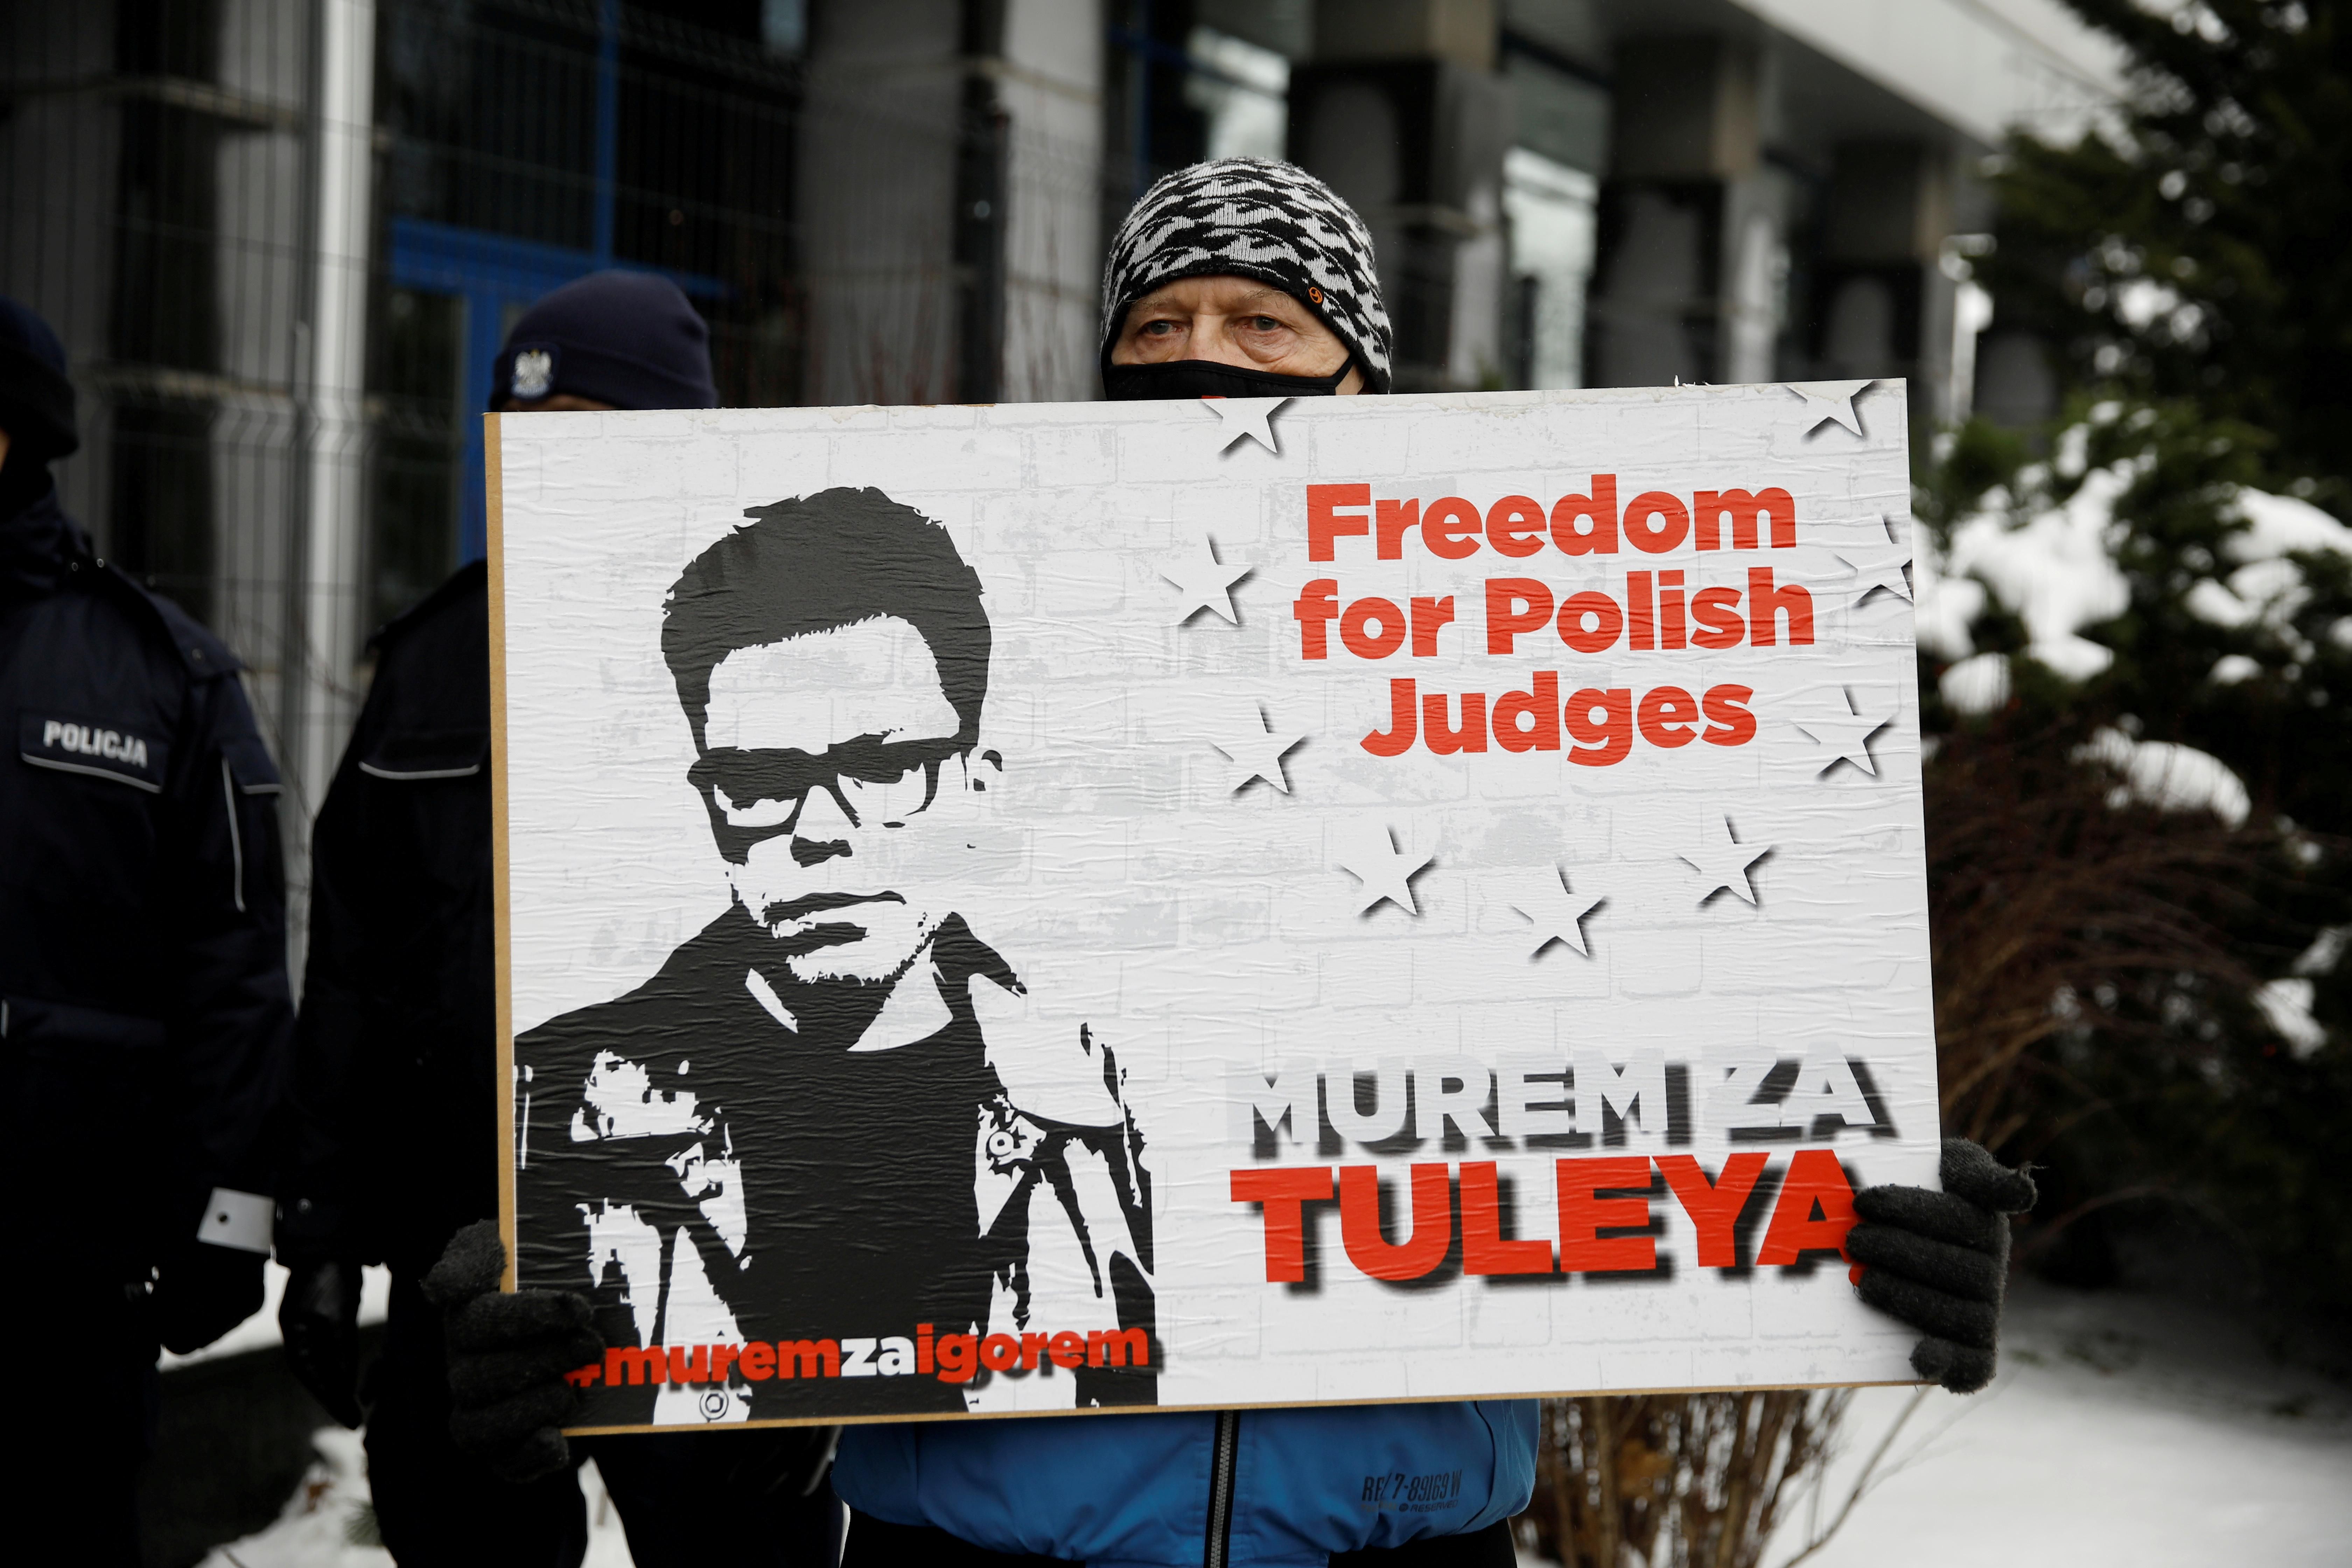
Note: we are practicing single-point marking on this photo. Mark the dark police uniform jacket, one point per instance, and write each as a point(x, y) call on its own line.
point(145, 1025)
point(394, 1127)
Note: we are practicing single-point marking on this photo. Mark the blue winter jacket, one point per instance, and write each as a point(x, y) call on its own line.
point(1287, 1487)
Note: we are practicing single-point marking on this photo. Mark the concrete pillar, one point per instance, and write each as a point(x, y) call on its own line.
point(949, 168)
point(2015, 384)
point(1401, 110)
point(1459, 30)
point(1883, 305)
point(1551, 187)
point(1048, 79)
point(878, 177)
point(1692, 249)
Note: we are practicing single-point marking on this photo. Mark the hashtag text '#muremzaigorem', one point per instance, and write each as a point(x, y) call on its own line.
point(951, 1358)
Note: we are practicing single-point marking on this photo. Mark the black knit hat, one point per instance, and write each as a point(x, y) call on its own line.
point(37, 401)
point(1254, 217)
point(629, 339)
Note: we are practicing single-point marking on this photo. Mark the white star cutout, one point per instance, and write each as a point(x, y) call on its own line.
point(1841, 735)
point(1825, 401)
point(1878, 566)
point(1255, 749)
point(1245, 416)
point(1556, 912)
point(1208, 584)
point(1722, 861)
point(1383, 871)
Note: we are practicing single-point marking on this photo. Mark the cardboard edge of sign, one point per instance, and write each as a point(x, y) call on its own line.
point(501, 956)
point(1271, 1404)
point(502, 918)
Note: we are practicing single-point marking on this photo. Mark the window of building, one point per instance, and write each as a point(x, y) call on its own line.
point(1550, 207)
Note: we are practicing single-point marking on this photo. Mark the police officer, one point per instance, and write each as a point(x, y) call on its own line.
point(145, 1024)
point(396, 1095)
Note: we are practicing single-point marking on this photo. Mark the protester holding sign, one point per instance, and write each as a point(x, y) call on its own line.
point(395, 1113)
point(144, 1014)
point(1241, 279)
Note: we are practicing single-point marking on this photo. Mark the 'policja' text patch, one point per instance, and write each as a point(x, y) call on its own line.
point(92, 747)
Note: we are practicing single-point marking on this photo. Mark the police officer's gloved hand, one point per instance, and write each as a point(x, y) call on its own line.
point(320, 1317)
point(1939, 1261)
point(202, 1292)
point(508, 1356)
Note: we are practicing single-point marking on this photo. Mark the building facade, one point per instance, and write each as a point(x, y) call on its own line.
point(283, 239)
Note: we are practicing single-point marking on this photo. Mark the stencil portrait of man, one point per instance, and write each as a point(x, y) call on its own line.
point(797, 1129)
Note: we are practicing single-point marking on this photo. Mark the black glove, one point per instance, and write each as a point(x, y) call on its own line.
point(202, 1292)
point(320, 1317)
point(508, 1356)
point(1939, 1261)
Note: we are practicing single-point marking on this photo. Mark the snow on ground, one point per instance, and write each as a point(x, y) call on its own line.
point(327, 1523)
point(2123, 1429)
point(322, 1519)
point(260, 1330)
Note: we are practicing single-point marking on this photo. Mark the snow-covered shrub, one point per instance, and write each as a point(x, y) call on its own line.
point(2132, 654)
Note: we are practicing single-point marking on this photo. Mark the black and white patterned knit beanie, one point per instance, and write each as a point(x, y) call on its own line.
point(1255, 217)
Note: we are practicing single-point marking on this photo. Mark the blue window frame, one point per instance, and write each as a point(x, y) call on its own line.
point(497, 276)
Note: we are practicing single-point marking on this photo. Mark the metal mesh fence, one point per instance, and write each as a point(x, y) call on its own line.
point(283, 240)
point(152, 170)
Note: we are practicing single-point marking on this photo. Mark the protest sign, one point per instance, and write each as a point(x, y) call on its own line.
point(1212, 903)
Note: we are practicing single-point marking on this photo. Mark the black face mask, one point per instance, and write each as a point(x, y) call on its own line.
point(1206, 378)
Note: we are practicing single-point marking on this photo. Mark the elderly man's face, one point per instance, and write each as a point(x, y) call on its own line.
point(1232, 321)
point(834, 777)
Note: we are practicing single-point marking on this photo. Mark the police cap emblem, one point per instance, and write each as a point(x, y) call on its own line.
point(534, 373)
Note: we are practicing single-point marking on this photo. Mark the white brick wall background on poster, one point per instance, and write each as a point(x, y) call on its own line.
point(1037, 908)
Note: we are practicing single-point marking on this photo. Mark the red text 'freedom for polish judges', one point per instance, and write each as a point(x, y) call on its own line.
point(1651, 607)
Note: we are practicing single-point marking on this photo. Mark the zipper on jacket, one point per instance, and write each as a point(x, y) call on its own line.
point(1221, 1489)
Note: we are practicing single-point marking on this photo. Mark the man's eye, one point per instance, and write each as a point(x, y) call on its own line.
point(1265, 323)
point(1159, 329)
point(754, 812)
